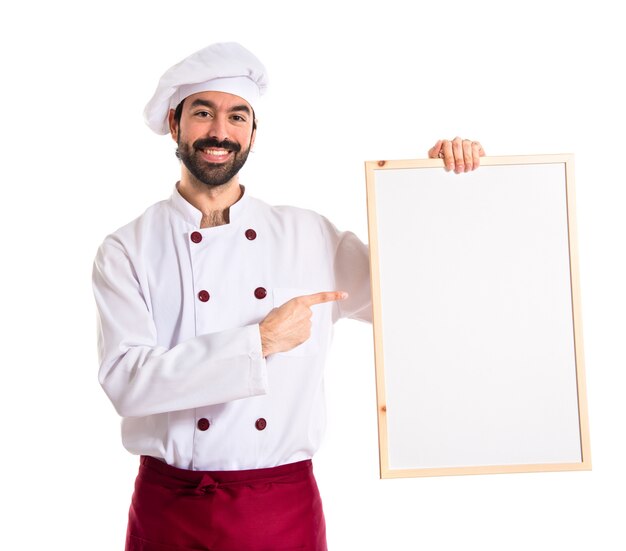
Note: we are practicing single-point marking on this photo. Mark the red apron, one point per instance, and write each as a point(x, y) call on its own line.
point(276, 509)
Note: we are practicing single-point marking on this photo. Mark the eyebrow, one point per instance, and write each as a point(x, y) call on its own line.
point(211, 105)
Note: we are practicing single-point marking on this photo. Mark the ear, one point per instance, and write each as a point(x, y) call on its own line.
point(173, 126)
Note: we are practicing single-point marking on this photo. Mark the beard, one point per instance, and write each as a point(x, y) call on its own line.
point(212, 174)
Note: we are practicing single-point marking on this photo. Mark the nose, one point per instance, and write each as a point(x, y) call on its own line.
point(219, 129)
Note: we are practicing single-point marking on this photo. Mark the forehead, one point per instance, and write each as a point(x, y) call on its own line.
point(217, 100)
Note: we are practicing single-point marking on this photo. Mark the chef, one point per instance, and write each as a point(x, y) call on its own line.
point(215, 318)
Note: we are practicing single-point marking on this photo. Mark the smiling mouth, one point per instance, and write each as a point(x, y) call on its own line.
point(212, 154)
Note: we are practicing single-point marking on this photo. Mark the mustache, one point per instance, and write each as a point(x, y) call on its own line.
point(205, 143)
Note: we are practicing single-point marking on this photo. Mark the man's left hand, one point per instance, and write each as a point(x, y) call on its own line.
point(458, 154)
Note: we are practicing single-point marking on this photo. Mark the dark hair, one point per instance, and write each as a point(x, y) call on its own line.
point(179, 111)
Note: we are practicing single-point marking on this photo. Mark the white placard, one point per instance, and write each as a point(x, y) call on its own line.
point(478, 357)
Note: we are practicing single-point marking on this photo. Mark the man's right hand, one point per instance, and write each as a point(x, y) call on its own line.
point(289, 325)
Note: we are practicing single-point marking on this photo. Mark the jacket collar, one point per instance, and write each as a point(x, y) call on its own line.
point(194, 217)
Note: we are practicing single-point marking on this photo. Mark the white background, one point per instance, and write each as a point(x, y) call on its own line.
point(349, 82)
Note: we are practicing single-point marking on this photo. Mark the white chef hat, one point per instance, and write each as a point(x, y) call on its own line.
point(222, 67)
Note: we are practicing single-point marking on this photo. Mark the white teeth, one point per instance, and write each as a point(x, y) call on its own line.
point(217, 152)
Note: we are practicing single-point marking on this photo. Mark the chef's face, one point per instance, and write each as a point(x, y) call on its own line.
point(214, 135)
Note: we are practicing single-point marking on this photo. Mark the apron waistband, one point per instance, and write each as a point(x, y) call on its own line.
point(203, 482)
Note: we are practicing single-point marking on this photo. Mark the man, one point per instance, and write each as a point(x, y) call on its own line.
point(216, 312)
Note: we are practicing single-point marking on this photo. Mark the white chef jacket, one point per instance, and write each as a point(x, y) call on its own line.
point(179, 343)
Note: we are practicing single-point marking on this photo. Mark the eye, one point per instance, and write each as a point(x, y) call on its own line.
point(238, 118)
point(202, 114)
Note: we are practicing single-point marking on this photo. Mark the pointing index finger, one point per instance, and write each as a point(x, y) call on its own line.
point(326, 296)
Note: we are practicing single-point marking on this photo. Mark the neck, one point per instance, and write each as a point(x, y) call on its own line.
point(213, 202)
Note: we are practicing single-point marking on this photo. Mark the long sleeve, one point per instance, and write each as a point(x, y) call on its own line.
point(350, 261)
point(142, 378)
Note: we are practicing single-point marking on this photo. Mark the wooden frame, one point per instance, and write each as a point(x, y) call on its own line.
point(478, 342)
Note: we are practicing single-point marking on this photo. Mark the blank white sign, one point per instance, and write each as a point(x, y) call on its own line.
point(476, 344)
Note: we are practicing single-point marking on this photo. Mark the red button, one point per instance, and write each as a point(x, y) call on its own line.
point(260, 424)
point(250, 234)
point(203, 424)
point(204, 296)
point(196, 237)
point(260, 293)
